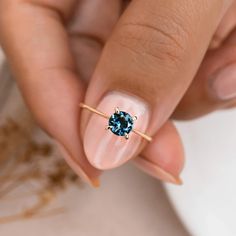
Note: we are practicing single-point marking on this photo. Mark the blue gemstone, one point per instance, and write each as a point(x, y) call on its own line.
point(121, 123)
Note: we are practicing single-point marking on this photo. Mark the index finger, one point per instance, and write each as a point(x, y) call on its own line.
point(35, 41)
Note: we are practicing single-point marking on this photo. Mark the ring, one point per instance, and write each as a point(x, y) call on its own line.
point(119, 123)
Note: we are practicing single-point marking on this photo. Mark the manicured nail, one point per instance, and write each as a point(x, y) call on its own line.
point(223, 83)
point(156, 171)
point(75, 166)
point(104, 149)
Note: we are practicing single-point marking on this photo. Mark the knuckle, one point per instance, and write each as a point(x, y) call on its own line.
point(163, 42)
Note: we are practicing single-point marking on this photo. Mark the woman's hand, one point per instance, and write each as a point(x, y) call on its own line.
point(149, 61)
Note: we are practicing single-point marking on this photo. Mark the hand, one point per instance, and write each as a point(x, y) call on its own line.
point(149, 61)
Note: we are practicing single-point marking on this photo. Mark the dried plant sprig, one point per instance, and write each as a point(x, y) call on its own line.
point(24, 163)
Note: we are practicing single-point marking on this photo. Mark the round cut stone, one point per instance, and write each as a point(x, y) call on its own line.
point(121, 123)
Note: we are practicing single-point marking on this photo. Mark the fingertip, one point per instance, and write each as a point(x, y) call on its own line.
point(78, 169)
point(165, 154)
point(156, 171)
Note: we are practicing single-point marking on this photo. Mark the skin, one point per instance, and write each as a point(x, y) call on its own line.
point(63, 52)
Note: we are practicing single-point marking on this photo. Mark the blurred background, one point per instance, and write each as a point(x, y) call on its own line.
point(40, 195)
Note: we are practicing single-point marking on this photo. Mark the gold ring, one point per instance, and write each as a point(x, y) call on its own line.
point(119, 123)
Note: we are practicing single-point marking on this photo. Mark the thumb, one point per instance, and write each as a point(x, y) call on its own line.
point(146, 67)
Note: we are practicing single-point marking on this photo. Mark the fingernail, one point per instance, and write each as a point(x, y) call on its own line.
point(106, 150)
point(223, 83)
point(75, 166)
point(156, 171)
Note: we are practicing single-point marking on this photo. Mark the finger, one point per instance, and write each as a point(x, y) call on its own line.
point(89, 28)
point(215, 84)
point(145, 68)
point(36, 43)
point(164, 159)
point(226, 26)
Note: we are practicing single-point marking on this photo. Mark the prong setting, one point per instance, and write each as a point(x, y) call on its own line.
point(134, 118)
point(126, 136)
point(108, 127)
point(117, 110)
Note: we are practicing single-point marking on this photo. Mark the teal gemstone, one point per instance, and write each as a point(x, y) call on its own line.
point(121, 123)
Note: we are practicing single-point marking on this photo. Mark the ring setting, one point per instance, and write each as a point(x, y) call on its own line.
point(120, 122)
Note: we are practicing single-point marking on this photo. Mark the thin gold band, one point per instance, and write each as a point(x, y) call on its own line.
point(82, 105)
